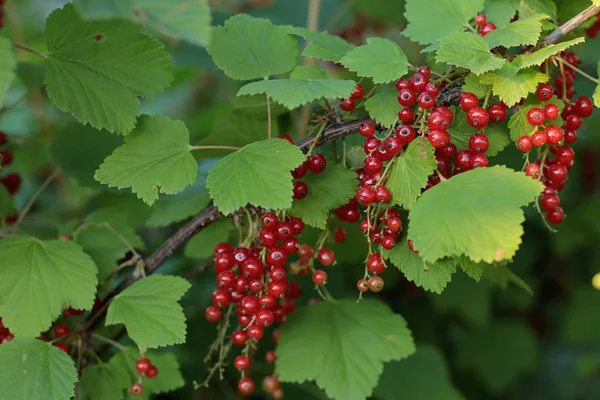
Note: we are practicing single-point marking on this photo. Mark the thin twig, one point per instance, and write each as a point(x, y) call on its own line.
point(27, 49)
point(571, 24)
point(35, 196)
point(109, 341)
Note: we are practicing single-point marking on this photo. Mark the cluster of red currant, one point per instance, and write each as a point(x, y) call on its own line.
point(11, 181)
point(145, 367)
point(556, 157)
point(565, 77)
point(483, 26)
point(350, 103)
point(316, 164)
point(253, 280)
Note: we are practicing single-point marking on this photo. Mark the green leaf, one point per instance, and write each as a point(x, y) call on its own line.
point(155, 157)
point(150, 311)
point(40, 278)
point(383, 106)
point(522, 32)
point(105, 247)
point(202, 245)
point(178, 207)
point(258, 174)
point(250, 48)
point(96, 70)
point(511, 84)
point(499, 353)
point(8, 64)
point(542, 7)
point(469, 299)
point(468, 50)
point(500, 12)
point(501, 276)
point(596, 95)
point(322, 45)
point(232, 128)
point(479, 217)
point(306, 72)
point(538, 57)
point(380, 59)
point(7, 203)
point(326, 191)
point(471, 268)
point(32, 369)
point(336, 333)
point(441, 17)
point(293, 93)
point(388, 11)
point(79, 151)
point(405, 379)
point(355, 157)
point(105, 381)
point(473, 84)
point(432, 277)
point(410, 172)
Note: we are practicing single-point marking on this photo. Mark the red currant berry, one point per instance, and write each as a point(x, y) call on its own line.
point(532, 170)
point(136, 389)
point(305, 252)
point(255, 286)
point(556, 216)
point(551, 111)
point(570, 137)
point(411, 247)
point(406, 115)
point(223, 248)
point(347, 104)
point(573, 122)
point(477, 117)
point(142, 365)
point(375, 284)
point(388, 242)
point(468, 101)
point(406, 98)
point(375, 264)
point(61, 330)
point(285, 230)
point(544, 92)
point(480, 20)
point(268, 237)
point(564, 155)
point(340, 235)
point(265, 317)
point(536, 116)
point(291, 245)
point(418, 82)
point(239, 338)
point(252, 268)
point(556, 173)
point(487, 28)
point(7, 158)
point(249, 305)
point(221, 298)
point(448, 151)
point(554, 134)
point(358, 93)
point(316, 163)
point(269, 220)
point(550, 201)
point(479, 161)
point(300, 190)
point(152, 372)
point(524, 144)
point(365, 195)
point(497, 112)
point(539, 138)
point(372, 165)
point(425, 71)
point(326, 256)
point(246, 386)
point(438, 121)
point(479, 143)
point(462, 159)
point(403, 84)
point(366, 129)
point(439, 139)
point(241, 363)
point(300, 171)
point(426, 101)
point(213, 314)
point(584, 106)
point(271, 357)
point(362, 285)
point(382, 194)
point(393, 145)
point(277, 289)
point(433, 89)
point(319, 277)
point(371, 144)
point(406, 134)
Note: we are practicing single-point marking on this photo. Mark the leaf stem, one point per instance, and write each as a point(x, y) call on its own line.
point(109, 341)
point(29, 50)
point(269, 116)
point(35, 196)
point(234, 148)
point(584, 74)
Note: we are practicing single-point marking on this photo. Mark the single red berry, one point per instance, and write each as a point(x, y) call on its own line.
point(426, 101)
point(61, 330)
point(246, 386)
point(406, 115)
point(287, 138)
point(347, 104)
point(152, 372)
point(241, 363)
point(277, 289)
point(376, 284)
point(487, 28)
point(480, 20)
point(570, 137)
point(252, 268)
point(221, 298)
point(142, 365)
point(449, 151)
point(291, 245)
point(366, 129)
point(497, 112)
point(249, 305)
point(406, 97)
point(270, 357)
point(375, 264)
point(271, 384)
point(532, 170)
point(319, 277)
point(554, 134)
point(269, 220)
point(479, 143)
point(411, 247)
point(406, 134)
point(468, 101)
point(388, 242)
point(372, 164)
point(551, 111)
point(477, 117)
point(550, 201)
point(438, 121)
point(564, 155)
point(536, 116)
point(268, 237)
point(382, 194)
point(136, 389)
point(340, 235)
point(305, 252)
point(255, 286)
point(300, 171)
point(573, 122)
point(425, 71)
point(362, 285)
point(556, 172)
point(433, 89)
point(7, 158)
point(239, 338)
point(539, 138)
point(255, 332)
point(584, 106)
point(326, 256)
point(223, 248)
point(393, 145)
point(300, 190)
point(296, 224)
point(62, 346)
point(394, 224)
point(265, 317)
point(403, 84)
point(212, 314)
point(316, 163)
point(556, 216)
point(371, 144)
point(358, 93)
point(524, 144)
point(439, 139)
point(462, 159)
point(266, 301)
point(285, 230)
point(365, 195)
point(418, 82)
point(544, 92)
point(479, 161)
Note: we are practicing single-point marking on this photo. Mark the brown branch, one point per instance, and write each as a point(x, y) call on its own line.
point(333, 132)
point(571, 24)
